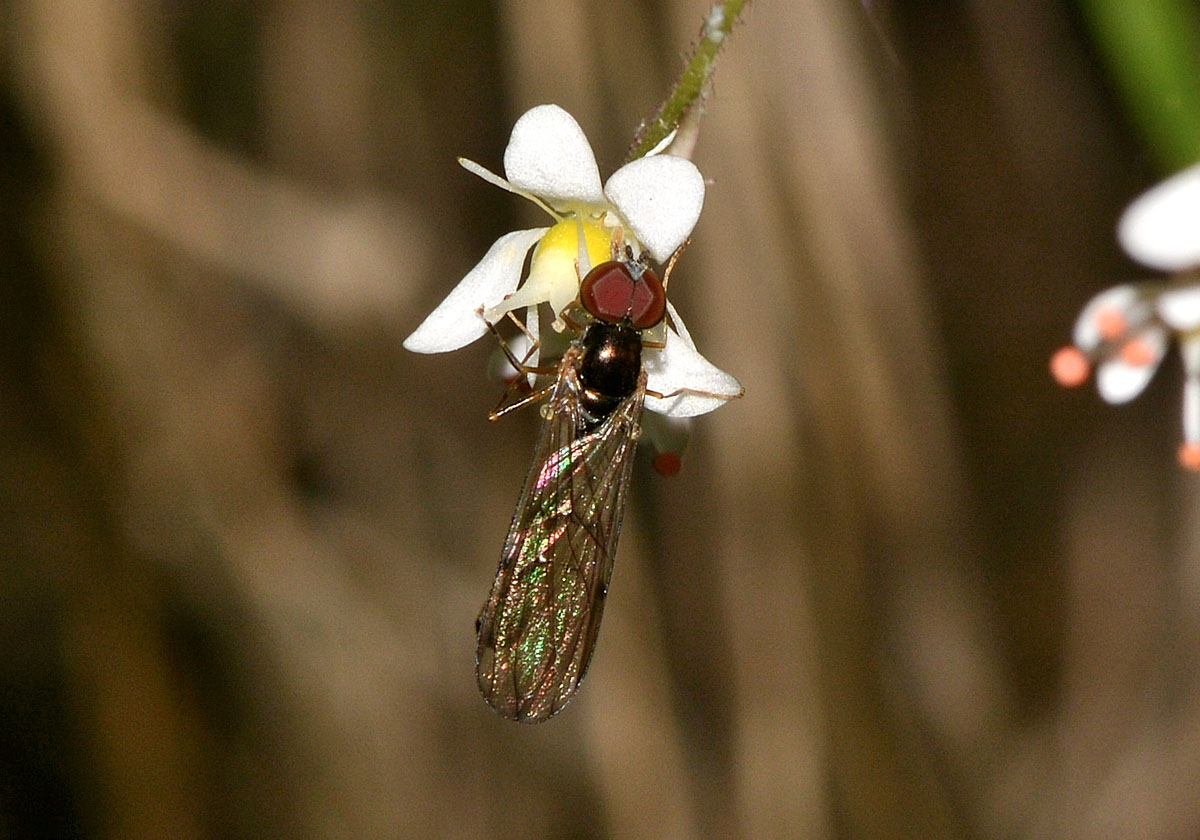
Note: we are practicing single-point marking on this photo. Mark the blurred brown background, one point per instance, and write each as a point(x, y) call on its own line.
point(905, 588)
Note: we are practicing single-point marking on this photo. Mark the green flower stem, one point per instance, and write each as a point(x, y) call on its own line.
point(693, 79)
point(1152, 48)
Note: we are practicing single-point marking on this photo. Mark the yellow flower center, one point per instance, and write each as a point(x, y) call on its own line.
point(553, 264)
point(553, 277)
point(558, 250)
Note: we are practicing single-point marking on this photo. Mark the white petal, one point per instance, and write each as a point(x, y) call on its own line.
point(1161, 228)
point(552, 279)
point(1119, 382)
point(549, 155)
point(1180, 307)
point(1122, 299)
point(679, 326)
point(660, 199)
point(455, 322)
point(678, 366)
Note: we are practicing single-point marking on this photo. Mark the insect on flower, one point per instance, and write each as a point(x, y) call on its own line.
point(630, 350)
point(538, 627)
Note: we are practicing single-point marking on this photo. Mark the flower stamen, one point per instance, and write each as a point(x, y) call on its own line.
point(1070, 367)
point(1137, 352)
point(1189, 456)
point(1111, 323)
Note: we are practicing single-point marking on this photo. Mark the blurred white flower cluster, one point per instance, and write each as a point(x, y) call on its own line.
point(1124, 331)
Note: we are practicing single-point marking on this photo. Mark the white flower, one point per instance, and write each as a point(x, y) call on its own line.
point(1161, 228)
point(1124, 331)
point(654, 201)
point(1120, 332)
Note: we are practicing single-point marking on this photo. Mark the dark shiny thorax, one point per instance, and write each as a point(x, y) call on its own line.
point(608, 369)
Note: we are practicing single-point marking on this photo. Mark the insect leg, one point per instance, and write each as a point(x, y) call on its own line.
point(695, 393)
point(519, 364)
point(499, 411)
point(670, 266)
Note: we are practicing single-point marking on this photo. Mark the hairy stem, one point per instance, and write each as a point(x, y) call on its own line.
point(692, 81)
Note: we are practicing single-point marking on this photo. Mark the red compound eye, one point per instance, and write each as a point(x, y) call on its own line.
point(611, 293)
point(649, 302)
point(607, 291)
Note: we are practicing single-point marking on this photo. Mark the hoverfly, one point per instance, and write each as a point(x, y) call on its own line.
point(538, 628)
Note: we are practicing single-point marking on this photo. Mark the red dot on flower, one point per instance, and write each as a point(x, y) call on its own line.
point(1189, 456)
point(1111, 323)
point(1070, 367)
point(668, 463)
point(1137, 352)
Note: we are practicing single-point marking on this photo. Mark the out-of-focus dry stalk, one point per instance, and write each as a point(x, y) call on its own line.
point(180, 269)
point(850, 433)
point(326, 255)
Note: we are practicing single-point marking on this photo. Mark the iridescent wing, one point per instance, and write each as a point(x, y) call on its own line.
point(539, 625)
